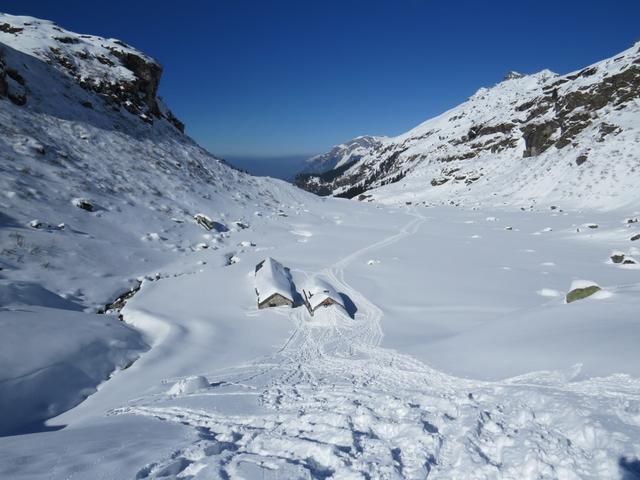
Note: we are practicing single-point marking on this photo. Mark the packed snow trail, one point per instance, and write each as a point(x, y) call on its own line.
point(332, 403)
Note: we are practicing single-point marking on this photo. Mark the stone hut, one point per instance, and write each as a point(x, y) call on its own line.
point(273, 284)
point(318, 293)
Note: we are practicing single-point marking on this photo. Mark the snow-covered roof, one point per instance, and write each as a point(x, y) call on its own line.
point(317, 291)
point(272, 278)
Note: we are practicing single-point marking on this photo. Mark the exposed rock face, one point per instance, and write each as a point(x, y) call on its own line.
point(138, 94)
point(7, 28)
point(118, 74)
point(537, 137)
point(4, 88)
point(572, 118)
point(12, 84)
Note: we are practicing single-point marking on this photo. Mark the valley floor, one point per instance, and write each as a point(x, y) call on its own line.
point(456, 357)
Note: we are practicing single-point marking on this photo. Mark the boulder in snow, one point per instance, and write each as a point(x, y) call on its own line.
point(581, 289)
point(617, 257)
point(83, 203)
point(204, 221)
point(240, 225)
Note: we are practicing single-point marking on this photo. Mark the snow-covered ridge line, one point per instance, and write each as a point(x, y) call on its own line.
point(531, 138)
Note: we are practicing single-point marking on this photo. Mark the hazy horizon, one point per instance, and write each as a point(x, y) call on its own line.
point(283, 167)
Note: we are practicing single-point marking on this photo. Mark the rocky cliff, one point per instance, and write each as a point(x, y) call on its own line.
point(109, 71)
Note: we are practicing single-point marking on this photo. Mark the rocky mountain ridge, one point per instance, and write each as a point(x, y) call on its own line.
point(539, 137)
point(331, 164)
point(121, 76)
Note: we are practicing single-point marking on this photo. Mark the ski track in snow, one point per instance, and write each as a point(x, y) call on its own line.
point(334, 403)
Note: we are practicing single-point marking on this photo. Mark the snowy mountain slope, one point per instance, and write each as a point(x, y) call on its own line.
point(99, 188)
point(541, 137)
point(82, 122)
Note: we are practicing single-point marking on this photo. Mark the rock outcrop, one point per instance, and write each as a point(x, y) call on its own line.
point(116, 73)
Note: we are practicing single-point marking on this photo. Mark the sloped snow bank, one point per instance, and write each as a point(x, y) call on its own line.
point(52, 359)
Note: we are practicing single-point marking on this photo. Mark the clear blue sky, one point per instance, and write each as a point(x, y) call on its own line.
point(275, 78)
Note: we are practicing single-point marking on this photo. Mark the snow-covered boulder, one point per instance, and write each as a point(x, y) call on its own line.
point(188, 385)
point(581, 289)
point(204, 221)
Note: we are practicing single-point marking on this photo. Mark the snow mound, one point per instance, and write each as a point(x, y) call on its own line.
point(53, 359)
point(188, 385)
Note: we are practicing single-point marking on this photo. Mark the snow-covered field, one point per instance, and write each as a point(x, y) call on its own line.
point(456, 357)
